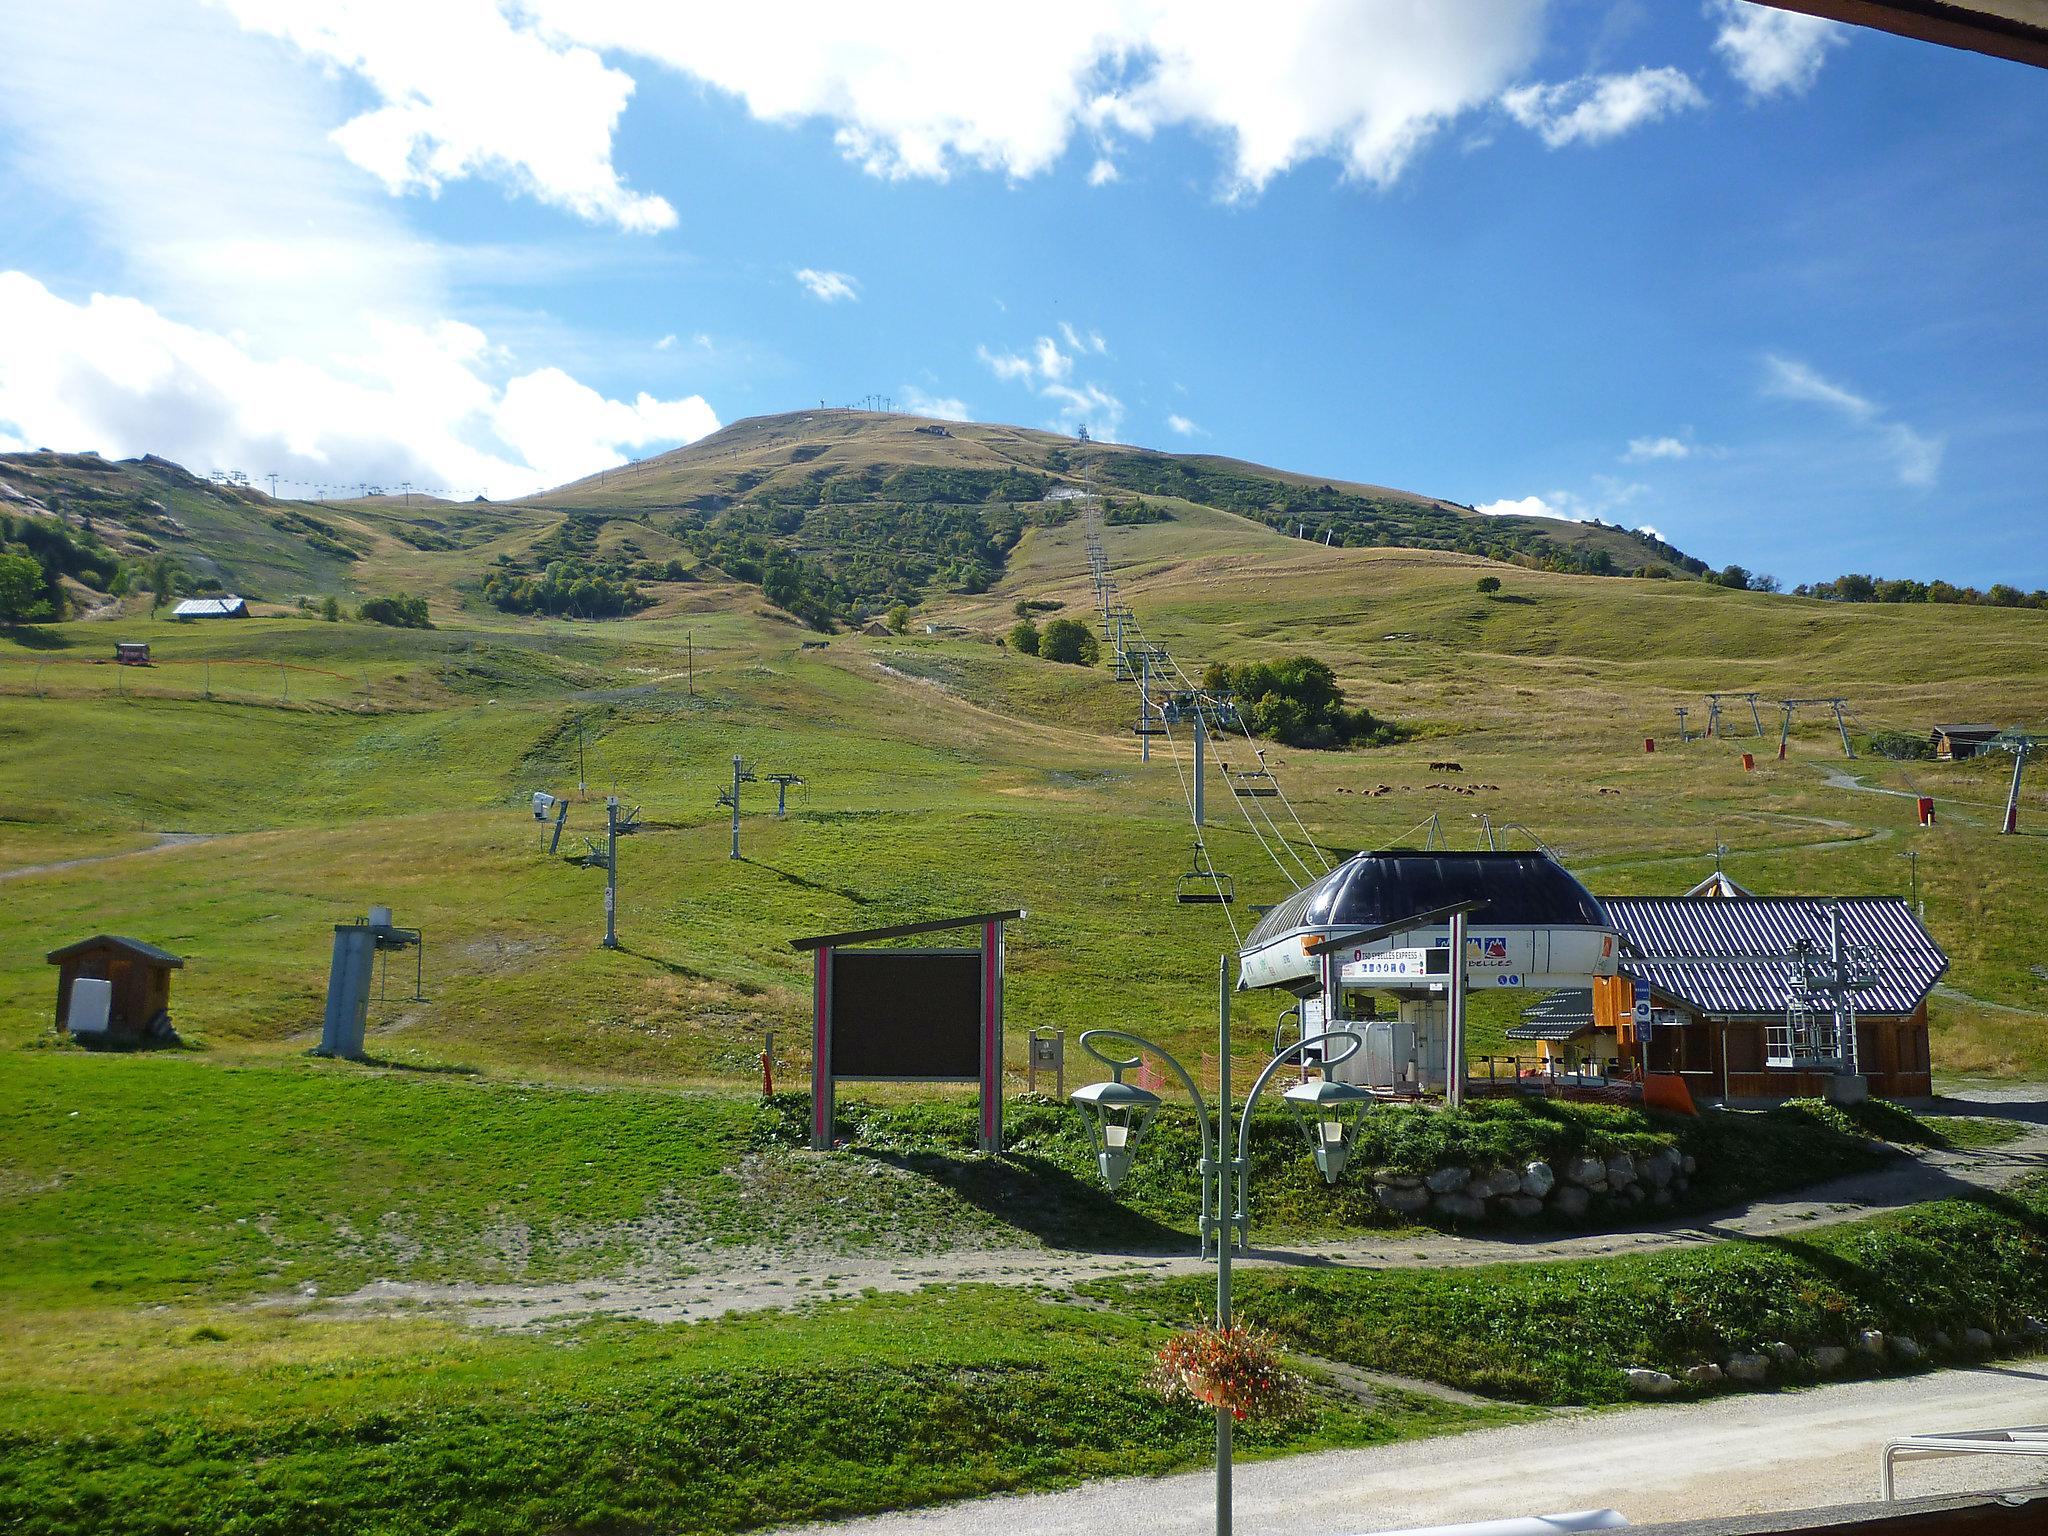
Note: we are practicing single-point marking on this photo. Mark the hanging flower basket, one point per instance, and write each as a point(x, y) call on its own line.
point(1237, 1368)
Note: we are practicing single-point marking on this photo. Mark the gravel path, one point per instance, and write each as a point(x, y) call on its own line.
point(1725, 1456)
point(718, 1281)
point(164, 843)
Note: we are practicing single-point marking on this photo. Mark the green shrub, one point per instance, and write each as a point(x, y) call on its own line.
point(1900, 745)
point(1488, 585)
point(1298, 702)
point(1024, 637)
point(399, 610)
point(1071, 641)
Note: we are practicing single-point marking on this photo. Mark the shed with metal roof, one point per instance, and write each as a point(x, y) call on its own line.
point(1717, 973)
point(226, 606)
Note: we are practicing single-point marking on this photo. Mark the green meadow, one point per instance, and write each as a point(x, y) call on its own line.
point(548, 1111)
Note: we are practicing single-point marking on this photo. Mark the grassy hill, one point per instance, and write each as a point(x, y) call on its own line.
point(238, 1280)
point(841, 513)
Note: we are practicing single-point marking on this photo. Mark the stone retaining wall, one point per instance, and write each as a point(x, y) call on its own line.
point(1621, 1181)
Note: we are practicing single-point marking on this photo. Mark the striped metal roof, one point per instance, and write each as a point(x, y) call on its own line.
point(1560, 1016)
point(1749, 983)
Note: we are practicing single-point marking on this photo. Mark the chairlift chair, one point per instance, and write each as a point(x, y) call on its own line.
point(1258, 783)
point(1203, 886)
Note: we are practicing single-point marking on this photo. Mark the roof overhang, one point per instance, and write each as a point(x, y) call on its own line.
point(2004, 29)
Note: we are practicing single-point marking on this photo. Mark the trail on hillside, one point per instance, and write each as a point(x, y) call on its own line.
point(165, 842)
point(725, 1280)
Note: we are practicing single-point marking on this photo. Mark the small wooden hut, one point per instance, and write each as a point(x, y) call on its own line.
point(139, 974)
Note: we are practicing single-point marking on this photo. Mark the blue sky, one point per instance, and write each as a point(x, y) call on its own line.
point(1769, 286)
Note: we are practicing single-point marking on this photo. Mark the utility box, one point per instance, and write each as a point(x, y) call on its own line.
point(348, 991)
point(92, 1007)
point(348, 978)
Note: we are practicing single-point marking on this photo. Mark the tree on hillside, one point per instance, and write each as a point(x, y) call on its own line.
point(1024, 637)
point(400, 611)
point(1069, 640)
point(21, 590)
point(1298, 702)
point(163, 581)
point(1488, 585)
point(899, 618)
point(330, 608)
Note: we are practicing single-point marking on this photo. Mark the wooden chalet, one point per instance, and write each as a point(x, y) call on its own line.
point(1719, 1023)
point(1955, 743)
point(140, 974)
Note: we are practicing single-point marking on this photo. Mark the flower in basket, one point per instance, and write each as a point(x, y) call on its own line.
point(1239, 1368)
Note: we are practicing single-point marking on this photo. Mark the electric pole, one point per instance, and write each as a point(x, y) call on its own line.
point(611, 872)
point(732, 797)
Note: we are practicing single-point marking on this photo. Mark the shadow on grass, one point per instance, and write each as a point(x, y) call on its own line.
point(388, 1064)
point(1041, 1198)
point(803, 883)
point(33, 637)
point(673, 967)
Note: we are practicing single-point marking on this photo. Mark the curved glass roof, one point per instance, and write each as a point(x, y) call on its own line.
point(1521, 890)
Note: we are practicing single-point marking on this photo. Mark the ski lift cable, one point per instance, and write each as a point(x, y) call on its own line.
point(1281, 793)
point(1236, 796)
point(1201, 843)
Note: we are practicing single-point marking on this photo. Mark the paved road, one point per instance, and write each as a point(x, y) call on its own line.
point(1729, 1455)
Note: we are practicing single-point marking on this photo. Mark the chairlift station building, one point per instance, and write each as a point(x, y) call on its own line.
point(1705, 987)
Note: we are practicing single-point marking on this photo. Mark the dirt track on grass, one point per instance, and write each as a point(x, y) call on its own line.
point(715, 1280)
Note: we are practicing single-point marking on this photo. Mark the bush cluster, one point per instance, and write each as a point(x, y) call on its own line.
point(565, 588)
point(1298, 702)
point(400, 610)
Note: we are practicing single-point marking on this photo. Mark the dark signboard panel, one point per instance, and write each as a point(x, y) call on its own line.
point(906, 1013)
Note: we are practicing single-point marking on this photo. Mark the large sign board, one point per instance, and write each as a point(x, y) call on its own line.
point(908, 1015)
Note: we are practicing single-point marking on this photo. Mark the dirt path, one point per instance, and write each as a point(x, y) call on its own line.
point(747, 1280)
point(1730, 1455)
point(164, 843)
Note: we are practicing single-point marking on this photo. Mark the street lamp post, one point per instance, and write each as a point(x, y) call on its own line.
point(1119, 1114)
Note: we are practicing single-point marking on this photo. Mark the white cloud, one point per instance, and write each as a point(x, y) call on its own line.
point(1595, 108)
point(1181, 426)
point(1771, 51)
point(1007, 366)
point(1643, 449)
point(944, 407)
point(1648, 532)
point(828, 287)
point(1365, 82)
point(1085, 405)
point(1789, 379)
point(666, 342)
point(1915, 456)
point(227, 205)
point(1608, 496)
point(1092, 342)
point(1102, 172)
point(468, 91)
point(523, 92)
point(1049, 372)
point(430, 404)
point(1528, 506)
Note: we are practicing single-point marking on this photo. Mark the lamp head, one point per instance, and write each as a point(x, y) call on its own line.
point(1118, 1115)
point(1329, 1114)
